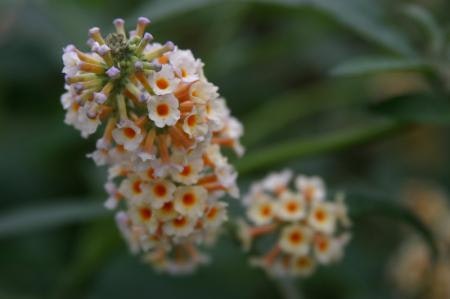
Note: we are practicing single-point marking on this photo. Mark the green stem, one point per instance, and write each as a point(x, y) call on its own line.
point(287, 288)
point(296, 149)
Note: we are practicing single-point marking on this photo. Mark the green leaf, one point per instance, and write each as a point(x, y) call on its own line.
point(293, 106)
point(362, 20)
point(29, 219)
point(293, 150)
point(426, 20)
point(420, 108)
point(96, 244)
point(366, 205)
point(373, 65)
point(161, 9)
point(350, 13)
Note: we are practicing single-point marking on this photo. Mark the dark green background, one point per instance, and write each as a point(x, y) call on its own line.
point(273, 62)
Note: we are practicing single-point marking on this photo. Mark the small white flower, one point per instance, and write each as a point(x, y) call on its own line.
point(134, 188)
point(202, 92)
point(161, 191)
point(181, 226)
point(215, 215)
point(295, 239)
point(322, 217)
point(262, 211)
point(291, 207)
point(189, 173)
point(128, 134)
point(312, 188)
point(276, 182)
point(71, 62)
point(195, 126)
point(185, 65)
point(167, 211)
point(217, 112)
point(190, 201)
point(164, 81)
point(143, 214)
point(163, 110)
point(302, 265)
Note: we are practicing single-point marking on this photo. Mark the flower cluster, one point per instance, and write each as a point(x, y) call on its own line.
point(412, 269)
point(164, 127)
point(309, 229)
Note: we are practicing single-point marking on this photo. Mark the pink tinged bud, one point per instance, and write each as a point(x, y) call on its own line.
point(78, 87)
point(69, 48)
point(144, 98)
point(141, 24)
point(148, 37)
point(139, 66)
point(100, 98)
point(91, 43)
point(120, 26)
point(157, 67)
point(113, 72)
point(95, 34)
point(103, 50)
point(169, 45)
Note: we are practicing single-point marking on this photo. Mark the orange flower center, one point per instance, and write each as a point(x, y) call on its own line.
point(162, 109)
point(137, 186)
point(160, 190)
point(163, 59)
point(212, 213)
point(292, 207)
point(150, 173)
point(129, 133)
point(162, 83)
point(320, 215)
point(296, 237)
point(189, 199)
point(192, 121)
point(167, 207)
point(303, 262)
point(266, 210)
point(322, 244)
point(180, 222)
point(145, 213)
point(186, 170)
point(183, 72)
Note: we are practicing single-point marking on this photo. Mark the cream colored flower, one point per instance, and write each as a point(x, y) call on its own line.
point(163, 110)
point(160, 192)
point(190, 201)
point(296, 239)
point(291, 207)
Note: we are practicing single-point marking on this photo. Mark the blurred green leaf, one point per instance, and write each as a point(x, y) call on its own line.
point(419, 108)
point(426, 20)
point(274, 155)
point(365, 205)
point(28, 219)
point(360, 19)
point(350, 13)
point(372, 65)
point(93, 248)
point(274, 115)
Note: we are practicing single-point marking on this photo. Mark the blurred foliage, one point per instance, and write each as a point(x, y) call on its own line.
point(356, 91)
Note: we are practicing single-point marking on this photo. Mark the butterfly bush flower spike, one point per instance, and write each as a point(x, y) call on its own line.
point(308, 229)
point(164, 126)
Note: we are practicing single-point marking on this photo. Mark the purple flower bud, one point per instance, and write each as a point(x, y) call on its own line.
point(169, 45)
point(144, 98)
point(118, 22)
point(148, 37)
point(113, 72)
point(69, 48)
point(103, 50)
point(144, 21)
point(93, 31)
point(138, 66)
point(100, 97)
